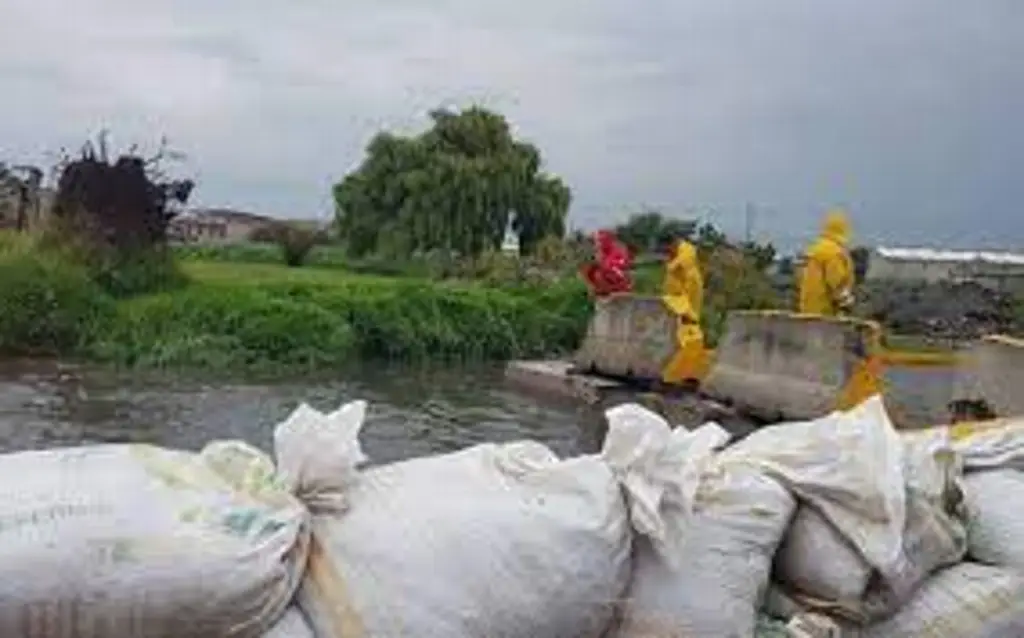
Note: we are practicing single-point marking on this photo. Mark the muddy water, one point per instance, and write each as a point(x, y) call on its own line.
point(413, 411)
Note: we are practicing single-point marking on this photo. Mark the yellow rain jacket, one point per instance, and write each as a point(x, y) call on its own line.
point(683, 289)
point(683, 295)
point(826, 281)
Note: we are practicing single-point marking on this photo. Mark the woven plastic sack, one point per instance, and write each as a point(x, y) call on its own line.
point(964, 601)
point(701, 568)
point(996, 444)
point(967, 600)
point(995, 499)
point(842, 553)
point(135, 540)
point(292, 625)
point(992, 453)
point(503, 541)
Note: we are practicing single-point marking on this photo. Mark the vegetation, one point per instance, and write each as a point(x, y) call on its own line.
point(419, 271)
point(269, 316)
point(456, 188)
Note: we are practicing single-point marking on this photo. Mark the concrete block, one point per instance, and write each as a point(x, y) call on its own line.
point(557, 377)
point(785, 366)
point(992, 372)
point(629, 336)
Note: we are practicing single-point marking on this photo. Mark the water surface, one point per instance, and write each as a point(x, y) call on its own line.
point(413, 411)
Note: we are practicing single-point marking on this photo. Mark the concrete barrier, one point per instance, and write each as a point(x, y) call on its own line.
point(992, 372)
point(556, 377)
point(784, 366)
point(629, 336)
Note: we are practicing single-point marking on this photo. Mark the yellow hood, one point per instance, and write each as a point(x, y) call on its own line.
point(686, 254)
point(836, 227)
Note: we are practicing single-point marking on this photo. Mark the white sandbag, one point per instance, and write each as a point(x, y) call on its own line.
point(134, 540)
point(995, 500)
point(990, 445)
point(849, 467)
point(815, 558)
point(827, 562)
point(503, 541)
point(966, 600)
point(963, 601)
point(292, 625)
point(702, 571)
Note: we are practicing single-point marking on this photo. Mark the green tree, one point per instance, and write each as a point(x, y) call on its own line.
point(456, 187)
point(761, 256)
point(649, 231)
point(710, 237)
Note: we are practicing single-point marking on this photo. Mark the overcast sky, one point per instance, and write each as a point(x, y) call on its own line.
point(906, 111)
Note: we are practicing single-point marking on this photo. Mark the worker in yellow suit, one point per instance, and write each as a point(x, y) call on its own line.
point(826, 281)
point(826, 289)
point(683, 295)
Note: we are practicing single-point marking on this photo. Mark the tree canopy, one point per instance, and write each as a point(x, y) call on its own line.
point(457, 187)
point(126, 203)
point(650, 231)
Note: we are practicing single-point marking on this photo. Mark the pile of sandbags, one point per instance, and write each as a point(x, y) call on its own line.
point(905, 544)
point(838, 525)
point(494, 540)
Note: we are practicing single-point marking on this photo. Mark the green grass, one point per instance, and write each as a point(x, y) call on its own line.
point(258, 253)
point(247, 274)
point(268, 317)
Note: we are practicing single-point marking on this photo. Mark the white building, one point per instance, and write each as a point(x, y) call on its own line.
point(996, 270)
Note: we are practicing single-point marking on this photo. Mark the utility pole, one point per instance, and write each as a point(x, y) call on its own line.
point(749, 213)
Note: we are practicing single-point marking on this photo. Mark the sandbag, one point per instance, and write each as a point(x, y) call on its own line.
point(995, 500)
point(997, 444)
point(135, 540)
point(964, 601)
point(837, 555)
point(494, 541)
point(292, 625)
point(992, 454)
point(701, 571)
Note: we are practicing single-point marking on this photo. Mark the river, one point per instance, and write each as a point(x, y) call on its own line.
point(413, 411)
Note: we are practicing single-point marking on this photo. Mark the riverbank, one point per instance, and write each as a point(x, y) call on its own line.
point(260, 316)
point(223, 310)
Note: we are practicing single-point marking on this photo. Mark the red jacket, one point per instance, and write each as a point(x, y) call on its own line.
point(611, 272)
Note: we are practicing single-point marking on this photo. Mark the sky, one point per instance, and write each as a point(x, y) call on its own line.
point(905, 112)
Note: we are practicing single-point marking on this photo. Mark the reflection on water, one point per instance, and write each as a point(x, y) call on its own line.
point(413, 411)
point(919, 396)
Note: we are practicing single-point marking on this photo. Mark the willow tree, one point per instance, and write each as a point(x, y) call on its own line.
point(456, 187)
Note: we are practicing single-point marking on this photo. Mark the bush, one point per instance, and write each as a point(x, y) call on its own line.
point(123, 272)
point(732, 281)
point(216, 327)
point(295, 244)
point(284, 324)
point(49, 307)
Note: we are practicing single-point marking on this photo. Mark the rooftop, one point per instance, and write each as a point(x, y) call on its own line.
point(963, 256)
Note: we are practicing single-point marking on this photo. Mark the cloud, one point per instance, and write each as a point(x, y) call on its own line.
point(904, 111)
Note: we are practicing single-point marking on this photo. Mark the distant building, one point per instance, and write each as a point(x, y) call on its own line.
point(218, 226)
point(995, 270)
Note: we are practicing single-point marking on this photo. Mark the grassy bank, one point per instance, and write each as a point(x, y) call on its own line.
point(265, 316)
point(238, 307)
